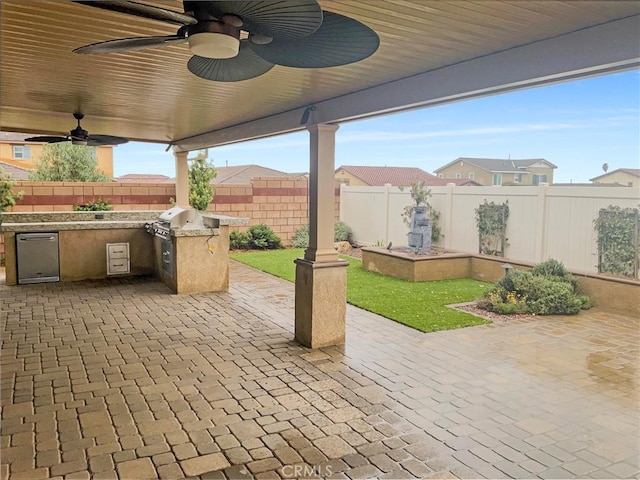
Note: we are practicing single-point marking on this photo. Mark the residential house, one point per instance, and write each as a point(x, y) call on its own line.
point(14, 150)
point(493, 171)
point(629, 177)
point(396, 176)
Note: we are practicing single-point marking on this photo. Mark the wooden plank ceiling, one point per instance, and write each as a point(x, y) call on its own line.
point(150, 95)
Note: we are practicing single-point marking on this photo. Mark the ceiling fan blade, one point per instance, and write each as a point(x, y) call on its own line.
point(47, 139)
point(141, 10)
point(105, 140)
point(127, 44)
point(244, 66)
point(274, 18)
point(339, 41)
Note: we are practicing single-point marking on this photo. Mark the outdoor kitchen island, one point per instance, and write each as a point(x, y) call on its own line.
point(195, 257)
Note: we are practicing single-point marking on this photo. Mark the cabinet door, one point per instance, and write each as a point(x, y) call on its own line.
point(118, 258)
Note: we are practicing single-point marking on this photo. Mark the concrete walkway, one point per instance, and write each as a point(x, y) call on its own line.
point(121, 379)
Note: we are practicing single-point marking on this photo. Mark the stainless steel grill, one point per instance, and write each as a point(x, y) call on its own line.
point(173, 219)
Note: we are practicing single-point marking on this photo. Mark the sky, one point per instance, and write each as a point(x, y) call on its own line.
point(578, 126)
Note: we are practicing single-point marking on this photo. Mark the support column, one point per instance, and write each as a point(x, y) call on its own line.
point(182, 179)
point(321, 278)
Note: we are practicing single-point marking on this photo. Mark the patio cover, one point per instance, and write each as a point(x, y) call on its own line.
point(431, 52)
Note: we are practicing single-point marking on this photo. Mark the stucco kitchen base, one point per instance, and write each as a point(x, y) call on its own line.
point(320, 302)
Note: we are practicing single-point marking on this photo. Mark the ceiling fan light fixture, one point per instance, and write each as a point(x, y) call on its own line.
point(214, 45)
point(78, 141)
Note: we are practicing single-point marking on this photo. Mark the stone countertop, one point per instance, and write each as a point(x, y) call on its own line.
point(74, 225)
point(226, 219)
point(57, 221)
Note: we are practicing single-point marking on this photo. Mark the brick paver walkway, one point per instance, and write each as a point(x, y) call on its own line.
point(121, 379)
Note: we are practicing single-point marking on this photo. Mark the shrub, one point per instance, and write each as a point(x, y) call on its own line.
point(262, 237)
point(239, 241)
point(7, 196)
point(555, 269)
point(99, 205)
point(546, 289)
point(301, 237)
point(342, 232)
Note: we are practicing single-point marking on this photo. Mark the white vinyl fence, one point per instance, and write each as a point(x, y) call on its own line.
point(544, 221)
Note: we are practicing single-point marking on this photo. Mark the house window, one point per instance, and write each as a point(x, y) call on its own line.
point(472, 176)
point(497, 179)
point(458, 175)
point(538, 179)
point(517, 177)
point(441, 175)
point(21, 152)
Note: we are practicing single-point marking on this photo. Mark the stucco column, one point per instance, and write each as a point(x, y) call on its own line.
point(321, 278)
point(321, 193)
point(182, 179)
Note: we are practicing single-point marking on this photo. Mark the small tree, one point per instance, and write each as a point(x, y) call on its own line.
point(420, 195)
point(7, 196)
point(65, 162)
point(201, 172)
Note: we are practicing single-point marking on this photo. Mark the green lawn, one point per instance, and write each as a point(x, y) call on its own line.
point(420, 305)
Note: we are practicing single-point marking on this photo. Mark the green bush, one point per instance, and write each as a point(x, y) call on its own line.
point(546, 289)
point(341, 233)
point(555, 269)
point(301, 237)
point(239, 241)
point(262, 237)
point(99, 205)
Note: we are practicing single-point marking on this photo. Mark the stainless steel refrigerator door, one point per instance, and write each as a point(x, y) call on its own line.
point(38, 258)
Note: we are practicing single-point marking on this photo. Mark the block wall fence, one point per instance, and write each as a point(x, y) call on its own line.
point(280, 202)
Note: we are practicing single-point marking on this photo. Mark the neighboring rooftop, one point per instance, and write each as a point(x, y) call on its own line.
point(242, 174)
point(14, 137)
point(143, 178)
point(499, 165)
point(399, 176)
point(631, 171)
point(16, 173)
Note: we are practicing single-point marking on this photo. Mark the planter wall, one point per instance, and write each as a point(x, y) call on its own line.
point(613, 294)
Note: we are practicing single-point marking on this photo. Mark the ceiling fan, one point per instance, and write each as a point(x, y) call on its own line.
point(241, 39)
point(79, 136)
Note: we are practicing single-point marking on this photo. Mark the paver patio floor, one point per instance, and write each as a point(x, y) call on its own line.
point(121, 379)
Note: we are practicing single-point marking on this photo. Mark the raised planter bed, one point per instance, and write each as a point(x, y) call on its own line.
point(614, 294)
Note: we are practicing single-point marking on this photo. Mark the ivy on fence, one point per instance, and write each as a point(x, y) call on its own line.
point(618, 232)
point(491, 219)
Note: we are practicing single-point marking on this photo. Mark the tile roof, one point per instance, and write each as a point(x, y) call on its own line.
point(396, 176)
point(143, 178)
point(242, 174)
point(16, 173)
point(498, 164)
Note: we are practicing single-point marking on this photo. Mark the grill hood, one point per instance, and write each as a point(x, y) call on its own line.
point(179, 217)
